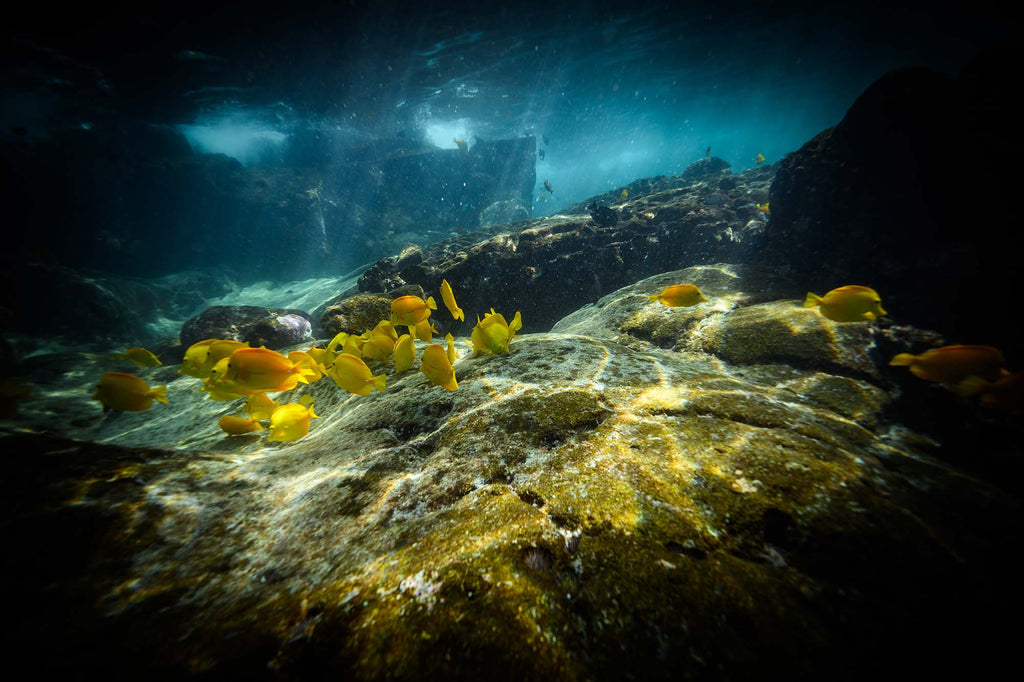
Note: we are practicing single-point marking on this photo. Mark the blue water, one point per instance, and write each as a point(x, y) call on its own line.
point(620, 92)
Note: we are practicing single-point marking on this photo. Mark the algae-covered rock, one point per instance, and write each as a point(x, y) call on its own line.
point(714, 492)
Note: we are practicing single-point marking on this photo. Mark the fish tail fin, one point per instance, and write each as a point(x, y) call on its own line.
point(654, 297)
point(812, 300)
point(431, 303)
point(256, 423)
point(902, 360)
point(159, 394)
point(972, 385)
point(380, 382)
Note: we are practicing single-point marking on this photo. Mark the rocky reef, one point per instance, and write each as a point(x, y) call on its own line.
point(715, 492)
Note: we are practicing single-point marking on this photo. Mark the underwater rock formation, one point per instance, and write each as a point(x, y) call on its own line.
point(551, 266)
point(712, 492)
point(271, 327)
point(883, 198)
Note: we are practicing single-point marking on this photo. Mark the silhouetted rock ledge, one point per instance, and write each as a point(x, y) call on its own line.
point(645, 492)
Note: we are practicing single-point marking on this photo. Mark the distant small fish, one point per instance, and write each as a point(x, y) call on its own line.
point(707, 152)
point(140, 356)
point(1006, 393)
point(952, 364)
point(763, 207)
point(624, 195)
point(679, 296)
point(759, 159)
point(547, 185)
point(852, 303)
point(127, 393)
point(461, 144)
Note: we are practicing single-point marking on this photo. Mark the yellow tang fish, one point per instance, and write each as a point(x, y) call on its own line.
point(759, 159)
point(448, 296)
point(127, 393)
point(852, 303)
point(237, 426)
point(408, 310)
point(260, 406)
point(352, 374)
point(461, 144)
point(291, 422)
point(435, 366)
point(952, 364)
point(405, 353)
point(493, 334)
point(624, 195)
point(304, 361)
point(450, 340)
point(1006, 393)
point(380, 342)
point(260, 369)
point(321, 356)
point(765, 208)
point(202, 356)
point(424, 330)
point(140, 356)
point(680, 296)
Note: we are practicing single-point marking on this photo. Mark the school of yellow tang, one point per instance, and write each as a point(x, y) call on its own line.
point(230, 370)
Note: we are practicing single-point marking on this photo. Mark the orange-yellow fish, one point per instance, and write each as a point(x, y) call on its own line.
point(379, 342)
point(408, 310)
point(492, 334)
point(140, 356)
point(127, 393)
point(1006, 393)
point(450, 340)
point(448, 296)
point(352, 374)
point(852, 303)
point(291, 422)
point(253, 370)
point(237, 426)
point(435, 366)
point(951, 364)
point(679, 296)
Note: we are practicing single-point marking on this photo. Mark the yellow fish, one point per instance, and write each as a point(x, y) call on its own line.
point(140, 356)
point(493, 334)
point(127, 393)
point(321, 356)
point(291, 422)
point(450, 340)
point(405, 353)
point(435, 366)
point(237, 426)
point(679, 296)
point(408, 310)
point(759, 159)
point(624, 195)
point(380, 342)
point(952, 364)
point(764, 207)
point(461, 144)
point(260, 406)
point(852, 303)
point(448, 296)
point(352, 374)
point(255, 370)
point(305, 362)
point(1006, 393)
point(202, 356)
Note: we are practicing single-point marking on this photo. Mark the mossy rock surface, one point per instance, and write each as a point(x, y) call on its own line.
point(595, 505)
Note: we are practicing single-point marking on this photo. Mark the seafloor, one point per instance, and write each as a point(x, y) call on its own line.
point(644, 492)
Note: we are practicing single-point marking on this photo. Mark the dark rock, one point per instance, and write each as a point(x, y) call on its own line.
point(603, 216)
point(884, 199)
point(508, 211)
point(255, 324)
point(705, 168)
point(356, 314)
